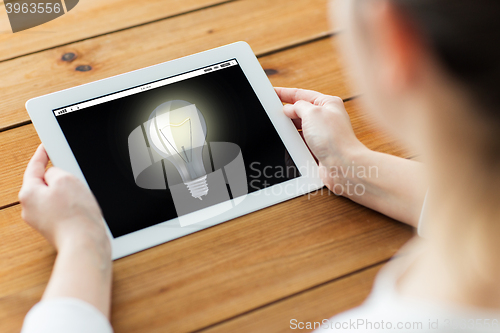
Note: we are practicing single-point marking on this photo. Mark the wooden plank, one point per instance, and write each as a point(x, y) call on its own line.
point(213, 275)
point(316, 66)
point(16, 148)
point(26, 251)
point(311, 306)
point(88, 19)
point(216, 274)
point(18, 145)
point(254, 21)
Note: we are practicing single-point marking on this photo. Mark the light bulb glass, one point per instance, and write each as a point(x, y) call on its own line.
point(177, 131)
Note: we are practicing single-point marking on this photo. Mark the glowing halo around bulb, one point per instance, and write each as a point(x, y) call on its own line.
point(177, 131)
point(166, 136)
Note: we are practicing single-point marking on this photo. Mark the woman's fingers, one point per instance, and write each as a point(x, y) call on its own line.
point(303, 109)
point(33, 176)
point(54, 175)
point(36, 167)
point(289, 111)
point(293, 95)
point(299, 110)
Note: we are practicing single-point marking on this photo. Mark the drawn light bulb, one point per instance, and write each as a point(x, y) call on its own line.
point(177, 131)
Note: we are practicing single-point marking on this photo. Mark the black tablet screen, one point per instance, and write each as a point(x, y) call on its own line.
point(98, 132)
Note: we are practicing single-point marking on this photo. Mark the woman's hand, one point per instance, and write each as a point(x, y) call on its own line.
point(65, 212)
point(326, 129)
point(58, 205)
point(396, 187)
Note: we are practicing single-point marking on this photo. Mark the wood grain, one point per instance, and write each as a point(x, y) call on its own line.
point(24, 268)
point(16, 148)
point(254, 21)
point(89, 18)
point(215, 274)
point(311, 306)
point(251, 273)
point(316, 66)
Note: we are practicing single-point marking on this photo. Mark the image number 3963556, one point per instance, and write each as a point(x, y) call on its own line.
point(26, 14)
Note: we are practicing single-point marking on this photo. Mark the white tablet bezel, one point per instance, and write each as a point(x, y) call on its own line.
point(41, 109)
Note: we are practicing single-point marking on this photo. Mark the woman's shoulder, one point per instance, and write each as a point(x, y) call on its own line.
point(386, 309)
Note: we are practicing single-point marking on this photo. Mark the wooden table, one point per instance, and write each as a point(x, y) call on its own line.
point(305, 259)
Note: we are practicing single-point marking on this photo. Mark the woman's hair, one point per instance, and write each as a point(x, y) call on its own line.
point(464, 35)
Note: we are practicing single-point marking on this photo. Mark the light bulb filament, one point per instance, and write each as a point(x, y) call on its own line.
point(173, 139)
point(180, 124)
point(184, 150)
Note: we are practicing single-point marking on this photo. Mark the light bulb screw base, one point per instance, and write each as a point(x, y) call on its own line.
point(198, 187)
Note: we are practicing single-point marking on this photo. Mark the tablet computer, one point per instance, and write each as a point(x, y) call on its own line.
point(174, 148)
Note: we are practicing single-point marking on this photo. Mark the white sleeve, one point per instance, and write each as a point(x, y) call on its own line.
point(62, 315)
